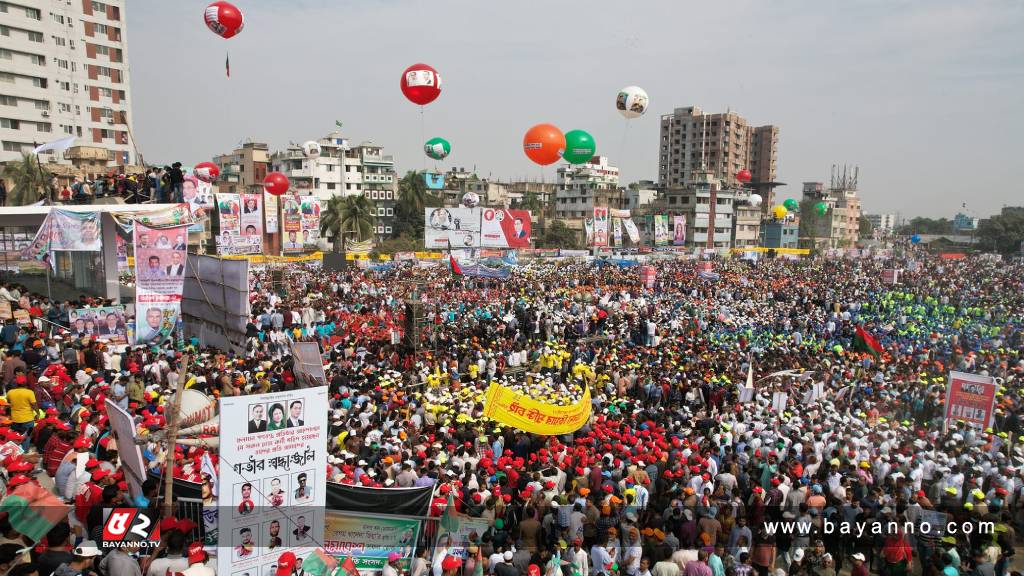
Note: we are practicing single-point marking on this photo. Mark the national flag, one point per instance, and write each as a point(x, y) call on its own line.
point(864, 342)
point(227, 64)
point(348, 567)
point(448, 521)
point(456, 269)
point(337, 123)
point(33, 510)
point(319, 563)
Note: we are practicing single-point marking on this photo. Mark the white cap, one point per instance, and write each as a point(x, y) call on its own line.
point(507, 556)
point(87, 549)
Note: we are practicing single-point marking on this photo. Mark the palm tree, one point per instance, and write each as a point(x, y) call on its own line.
point(413, 198)
point(346, 216)
point(28, 182)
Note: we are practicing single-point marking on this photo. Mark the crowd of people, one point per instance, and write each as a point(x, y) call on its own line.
point(836, 461)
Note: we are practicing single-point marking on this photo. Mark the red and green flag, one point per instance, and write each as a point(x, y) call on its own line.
point(33, 510)
point(864, 342)
point(456, 269)
point(347, 568)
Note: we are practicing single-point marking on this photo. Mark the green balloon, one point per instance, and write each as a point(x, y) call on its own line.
point(791, 205)
point(437, 148)
point(821, 208)
point(579, 147)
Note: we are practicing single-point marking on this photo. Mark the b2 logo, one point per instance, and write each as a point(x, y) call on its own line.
point(129, 526)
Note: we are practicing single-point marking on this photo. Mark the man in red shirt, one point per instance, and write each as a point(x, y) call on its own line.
point(59, 444)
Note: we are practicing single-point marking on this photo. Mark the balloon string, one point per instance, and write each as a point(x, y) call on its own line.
point(423, 137)
point(622, 147)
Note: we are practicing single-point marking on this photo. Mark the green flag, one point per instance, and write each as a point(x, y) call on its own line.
point(337, 123)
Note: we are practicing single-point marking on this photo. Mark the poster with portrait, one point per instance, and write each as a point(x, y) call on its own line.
point(500, 228)
point(229, 211)
point(122, 254)
point(159, 277)
point(661, 232)
point(454, 228)
point(588, 231)
point(106, 324)
point(271, 488)
point(233, 244)
point(292, 214)
point(310, 209)
point(678, 230)
point(617, 231)
point(199, 197)
point(270, 209)
point(252, 215)
point(75, 231)
point(600, 225)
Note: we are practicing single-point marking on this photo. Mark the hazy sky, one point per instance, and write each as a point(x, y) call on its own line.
point(925, 96)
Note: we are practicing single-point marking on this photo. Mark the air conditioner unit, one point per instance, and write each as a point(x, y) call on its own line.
point(110, 121)
point(46, 113)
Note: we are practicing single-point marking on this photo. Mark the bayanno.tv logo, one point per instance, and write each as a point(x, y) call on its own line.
point(129, 528)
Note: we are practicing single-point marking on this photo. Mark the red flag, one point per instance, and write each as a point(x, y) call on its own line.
point(227, 64)
point(349, 567)
point(456, 269)
point(867, 343)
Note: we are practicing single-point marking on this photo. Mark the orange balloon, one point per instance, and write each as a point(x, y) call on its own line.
point(544, 144)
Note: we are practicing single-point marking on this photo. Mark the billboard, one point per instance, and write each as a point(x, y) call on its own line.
point(451, 227)
point(500, 228)
point(310, 209)
point(199, 197)
point(292, 216)
point(678, 230)
point(159, 276)
point(369, 539)
point(251, 222)
point(106, 324)
point(661, 231)
point(229, 213)
point(270, 208)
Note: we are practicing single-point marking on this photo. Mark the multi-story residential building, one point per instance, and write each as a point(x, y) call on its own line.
point(581, 187)
point(884, 223)
point(964, 223)
point(708, 208)
point(63, 73)
point(692, 142)
point(345, 170)
point(746, 229)
point(243, 170)
point(779, 234)
point(639, 195)
point(840, 228)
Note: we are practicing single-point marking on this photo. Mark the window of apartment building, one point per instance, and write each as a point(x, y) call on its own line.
point(67, 129)
point(59, 19)
point(66, 86)
point(35, 36)
point(8, 100)
point(60, 40)
point(380, 211)
point(100, 28)
point(10, 123)
point(387, 229)
point(390, 195)
point(44, 127)
point(99, 7)
point(106, 113)
point(390, 212)
point(15, 146)
point(104, 50)
point(62, 64)
point(6, 54)
point(107, 92)
point(33, 13)
point(104, 71)
point(105, 133)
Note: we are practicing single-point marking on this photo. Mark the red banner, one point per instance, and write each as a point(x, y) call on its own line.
point(971, 398)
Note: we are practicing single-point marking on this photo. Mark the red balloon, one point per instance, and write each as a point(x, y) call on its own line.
point(421, 84)
point(206, 171)
point(743, 175)
point(276, 183)
point(224, 19)
point(544, 144)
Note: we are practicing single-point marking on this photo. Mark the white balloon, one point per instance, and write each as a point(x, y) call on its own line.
point(755, 200)
point(632, 102)
point(311, 150)
point(470, 200)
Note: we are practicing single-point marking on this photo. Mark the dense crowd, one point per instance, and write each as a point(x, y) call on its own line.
point(673, 474)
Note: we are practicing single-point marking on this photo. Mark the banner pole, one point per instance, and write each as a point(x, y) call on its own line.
point(172, 438)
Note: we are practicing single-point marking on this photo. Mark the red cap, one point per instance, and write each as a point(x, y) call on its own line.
point(449, 563)
point(285, 564)
point(99, 474)
point(19, 466)
point(196, 554)
point(17, 480)
point(83, 442)
point(167, 524)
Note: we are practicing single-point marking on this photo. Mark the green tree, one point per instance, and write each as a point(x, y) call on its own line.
point(348, 218)
point(27, 183)
point(413, 197)
point(865, 227)
point(558, 235)
point(1003, 233)
point(812, 223)
point(926, 226)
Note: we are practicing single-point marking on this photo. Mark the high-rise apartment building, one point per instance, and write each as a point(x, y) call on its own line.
point(243, 170)
point(580, 187)
point(64, 72)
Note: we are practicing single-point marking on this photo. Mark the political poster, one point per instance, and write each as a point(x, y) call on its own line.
point(272, 486)
point(678, 230)
point(199, 197)
point(251, 221)
point(588, 230)
point(523, 412)
point(451, 227)
point(971, 398)
point(631, 230)
point(270, 212)
point(106, 324)
point(458, 535)
point(368, 539)
point(159, 277)
point(229, 213)
point(500, 228)
point(292, 215)
point(600, 225)
point(308, 365)
point(233, 244)
point(65, 230)
point(617, 231)
point(891, 276)
point(122, 254)
point(661, 231)
point(310, 207)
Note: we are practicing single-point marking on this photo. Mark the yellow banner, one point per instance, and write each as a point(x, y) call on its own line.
point(799, 251)
point(520, 411)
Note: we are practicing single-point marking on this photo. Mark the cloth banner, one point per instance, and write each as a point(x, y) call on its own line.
point(524, 413)
point(359, 247)
point(462, 527)
point(310, 207)
point(232, 244)
point(616, 213)
point(199, 197)
point(106, 324)
point(631, 230)
point(661, 231)
point(600, 225)
point(251, 221)
point(369, 539)
point(159, 278)
point(292, 225)
point(588, 228)
point(679, 230)
point(972, 398)
point(168, 217)
point(229, 213)
point(617, 231)
point(400, 501)
point(271, 489)
point(270, 212)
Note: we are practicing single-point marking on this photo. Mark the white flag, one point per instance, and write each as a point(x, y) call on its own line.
point(57, 145)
